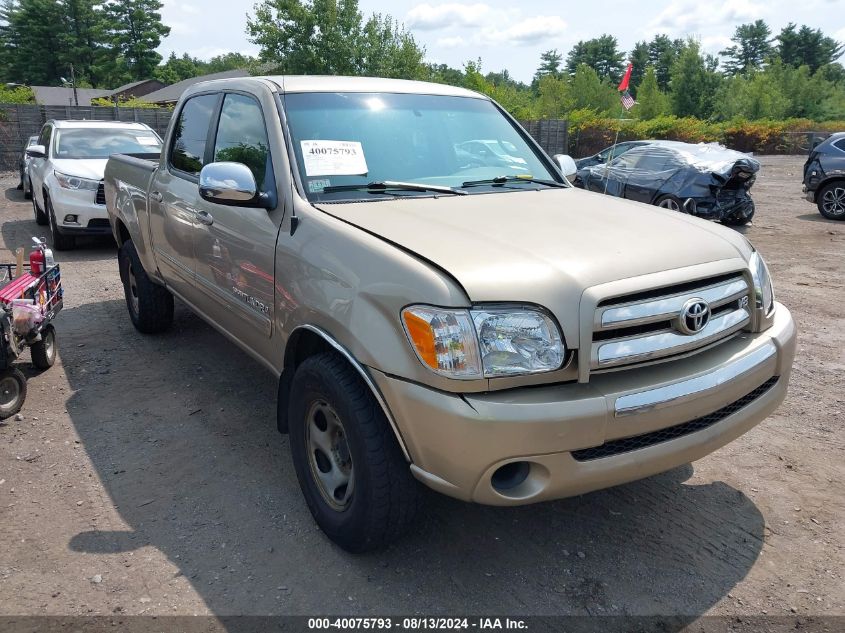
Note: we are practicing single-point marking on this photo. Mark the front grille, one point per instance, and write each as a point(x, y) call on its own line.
point(101, 194)
point(645, 327)
point(98, 223)
point(627, 444)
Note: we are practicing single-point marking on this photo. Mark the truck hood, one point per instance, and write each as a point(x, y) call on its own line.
point(91, 168)
point(544, 247)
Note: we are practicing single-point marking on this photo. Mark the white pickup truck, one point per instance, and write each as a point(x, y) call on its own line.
point(441, 315)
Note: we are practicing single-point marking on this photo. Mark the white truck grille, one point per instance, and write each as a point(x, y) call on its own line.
point(665, 323)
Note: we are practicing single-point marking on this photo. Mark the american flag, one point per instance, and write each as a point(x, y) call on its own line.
point(627, 100)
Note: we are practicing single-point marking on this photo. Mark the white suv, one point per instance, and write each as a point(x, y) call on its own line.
point(66, 172)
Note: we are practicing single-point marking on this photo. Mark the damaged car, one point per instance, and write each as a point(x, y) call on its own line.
point(706, 180)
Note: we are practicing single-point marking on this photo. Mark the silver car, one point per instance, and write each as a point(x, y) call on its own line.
point(23, 168)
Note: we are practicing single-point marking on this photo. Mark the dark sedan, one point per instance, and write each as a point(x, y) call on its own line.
point(705, 180)
point(824, 177)
point(608, 153)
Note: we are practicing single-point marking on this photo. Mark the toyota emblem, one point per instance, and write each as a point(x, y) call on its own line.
point(694, 316)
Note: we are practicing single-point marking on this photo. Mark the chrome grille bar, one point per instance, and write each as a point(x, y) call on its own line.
point(634, 349)
point(668, 307)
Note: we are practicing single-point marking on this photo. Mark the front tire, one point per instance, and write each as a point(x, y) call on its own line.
point(831, 201)
point(354, 477)
point(12, 391)
point(40, 217)
point(27, 189)
point(150, 305)
point(43, 352)
point(61, 242)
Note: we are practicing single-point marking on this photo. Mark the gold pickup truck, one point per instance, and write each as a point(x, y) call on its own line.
point(438, 303)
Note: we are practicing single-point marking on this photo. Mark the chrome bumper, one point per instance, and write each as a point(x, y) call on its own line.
point(692, 388)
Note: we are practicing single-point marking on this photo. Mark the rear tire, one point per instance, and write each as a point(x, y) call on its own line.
point(43, 352)
point(670, 202)
point(61, 242)
point(831, 201)
point(150, 305)
point(351, 470)
point(12, 392)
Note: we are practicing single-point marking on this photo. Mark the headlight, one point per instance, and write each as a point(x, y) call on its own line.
point(75, 182)
point(484, 343)
point(764, 292)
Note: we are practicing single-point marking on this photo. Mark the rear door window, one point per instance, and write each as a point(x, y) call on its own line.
point(242, 136)
point(187, 151)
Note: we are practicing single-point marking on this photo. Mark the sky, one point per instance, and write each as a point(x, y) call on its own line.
point(512, 35)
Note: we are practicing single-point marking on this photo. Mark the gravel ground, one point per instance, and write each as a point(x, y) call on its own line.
point(146, 477)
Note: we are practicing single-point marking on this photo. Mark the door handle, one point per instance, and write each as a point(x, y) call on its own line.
point(156, 196)
point(204, 217)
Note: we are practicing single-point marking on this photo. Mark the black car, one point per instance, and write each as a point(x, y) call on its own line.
point(609, 153)
point(706, 180)
point(824, 176)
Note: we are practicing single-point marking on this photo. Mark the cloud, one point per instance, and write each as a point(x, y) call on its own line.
point(693, 16)
point(427, 17)
point(526, 31)
point(451, 42)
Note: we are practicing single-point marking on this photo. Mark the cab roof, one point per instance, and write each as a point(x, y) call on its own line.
point(328, 83)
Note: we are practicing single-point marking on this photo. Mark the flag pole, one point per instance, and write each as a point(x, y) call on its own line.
point(623, 89)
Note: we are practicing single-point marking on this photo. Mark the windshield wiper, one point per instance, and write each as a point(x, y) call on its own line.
point(501, 180)
point(384, 185)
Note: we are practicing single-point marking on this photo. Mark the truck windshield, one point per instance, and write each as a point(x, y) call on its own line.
point(345, 139)
point(103, 142)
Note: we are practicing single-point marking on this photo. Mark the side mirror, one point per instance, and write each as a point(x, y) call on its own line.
point(566, 164)
point(228, 183)
point(36, 151)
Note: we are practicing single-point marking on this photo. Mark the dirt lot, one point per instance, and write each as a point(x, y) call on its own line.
point(147, 477)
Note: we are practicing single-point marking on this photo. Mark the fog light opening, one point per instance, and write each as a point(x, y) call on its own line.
point(71, 219)
point(510, 475)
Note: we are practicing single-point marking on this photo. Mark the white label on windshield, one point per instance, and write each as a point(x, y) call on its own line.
point(333, 158)
point(147, 140)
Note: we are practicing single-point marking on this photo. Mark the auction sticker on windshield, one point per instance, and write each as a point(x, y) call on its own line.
point(333, 158)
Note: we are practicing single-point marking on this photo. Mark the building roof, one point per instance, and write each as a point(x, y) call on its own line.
point(171, 94)
point(61, 96)
point(138, 88)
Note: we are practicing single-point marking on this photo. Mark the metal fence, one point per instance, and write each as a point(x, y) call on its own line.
point(551, 134)
point(19, 122)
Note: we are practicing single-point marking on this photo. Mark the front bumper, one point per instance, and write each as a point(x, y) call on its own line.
point(91, 218)
point(575, 438)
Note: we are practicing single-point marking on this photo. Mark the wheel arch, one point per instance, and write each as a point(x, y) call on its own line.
point(307, 340)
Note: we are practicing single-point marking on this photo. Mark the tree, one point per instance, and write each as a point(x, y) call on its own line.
point(327, 37)
point(32, 42)
point(134, 30)
point(81, 40)
point(549, 64)
point(752, 47)
point(177, 69)
point(601, 54)
point(663, 52)
point(807, 47)
point(694, 82)
point(651, 101)
point(589, 92)
point(554, 97)
point(640, 60)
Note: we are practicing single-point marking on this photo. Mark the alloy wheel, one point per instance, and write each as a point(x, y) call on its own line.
point(833, 201)
point(670, 203)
